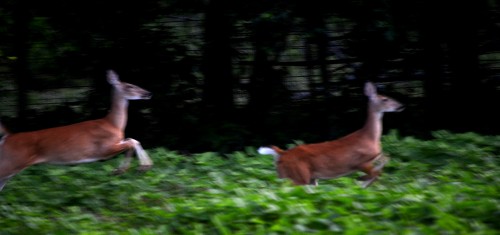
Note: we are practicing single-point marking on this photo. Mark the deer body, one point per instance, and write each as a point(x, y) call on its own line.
point(77, 143)
point(358, 151)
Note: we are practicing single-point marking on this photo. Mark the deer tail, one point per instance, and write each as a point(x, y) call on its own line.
point(272, 150)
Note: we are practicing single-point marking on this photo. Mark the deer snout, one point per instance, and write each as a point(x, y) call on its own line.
point(400, 108)
point(147, 95)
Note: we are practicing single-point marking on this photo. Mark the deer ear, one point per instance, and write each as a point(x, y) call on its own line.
point(113, 78)
point(370, 89)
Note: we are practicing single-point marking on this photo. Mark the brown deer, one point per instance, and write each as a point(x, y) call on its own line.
point(357, 151)
point(77, 143)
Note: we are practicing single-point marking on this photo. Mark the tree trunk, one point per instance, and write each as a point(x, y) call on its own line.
point(217, 66)
point(21, 49)
point(433, 62)
point(468, 100)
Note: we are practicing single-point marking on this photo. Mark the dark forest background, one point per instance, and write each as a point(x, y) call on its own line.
point(230, 74)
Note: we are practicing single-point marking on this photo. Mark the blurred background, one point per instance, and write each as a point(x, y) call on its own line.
point(229, 74)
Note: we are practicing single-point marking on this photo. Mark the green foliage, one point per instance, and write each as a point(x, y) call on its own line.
point(447, 185)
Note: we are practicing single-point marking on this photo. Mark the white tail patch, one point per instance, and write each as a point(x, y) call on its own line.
point(358, 151)
point(269, 151)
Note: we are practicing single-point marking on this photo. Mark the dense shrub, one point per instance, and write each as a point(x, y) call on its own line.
point(447, 185)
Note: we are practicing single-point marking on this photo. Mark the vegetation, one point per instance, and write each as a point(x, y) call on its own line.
point(446, 185)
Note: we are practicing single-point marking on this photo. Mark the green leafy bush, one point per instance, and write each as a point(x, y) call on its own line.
point(447, 185)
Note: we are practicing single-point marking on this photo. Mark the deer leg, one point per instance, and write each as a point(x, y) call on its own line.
point(374, 171)
point(382, 161)
point(300, 181)
point(368, 182)
point(371, 174)
point(131, 146)
point(299, 174)
point(125, 164)
point(369, 170)
point(145, 163)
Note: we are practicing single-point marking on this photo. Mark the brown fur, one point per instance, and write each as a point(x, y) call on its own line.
point(358, 151)
point(82, 142)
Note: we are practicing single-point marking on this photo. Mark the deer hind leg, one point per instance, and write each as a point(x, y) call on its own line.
point(131, 146)
point(298, 173)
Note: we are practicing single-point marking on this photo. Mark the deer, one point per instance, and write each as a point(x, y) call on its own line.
point(83, 142)
point(357, 151)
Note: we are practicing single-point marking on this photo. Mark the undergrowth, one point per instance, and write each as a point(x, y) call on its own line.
point(447, 185)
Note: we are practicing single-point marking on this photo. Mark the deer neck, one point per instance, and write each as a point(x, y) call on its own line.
point(373, 125)
point(118, 113)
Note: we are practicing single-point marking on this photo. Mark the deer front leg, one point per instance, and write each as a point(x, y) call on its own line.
point(145, 163)
point(373, 172)
point(382, 160)
point(125, 163)
point(131, 146)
